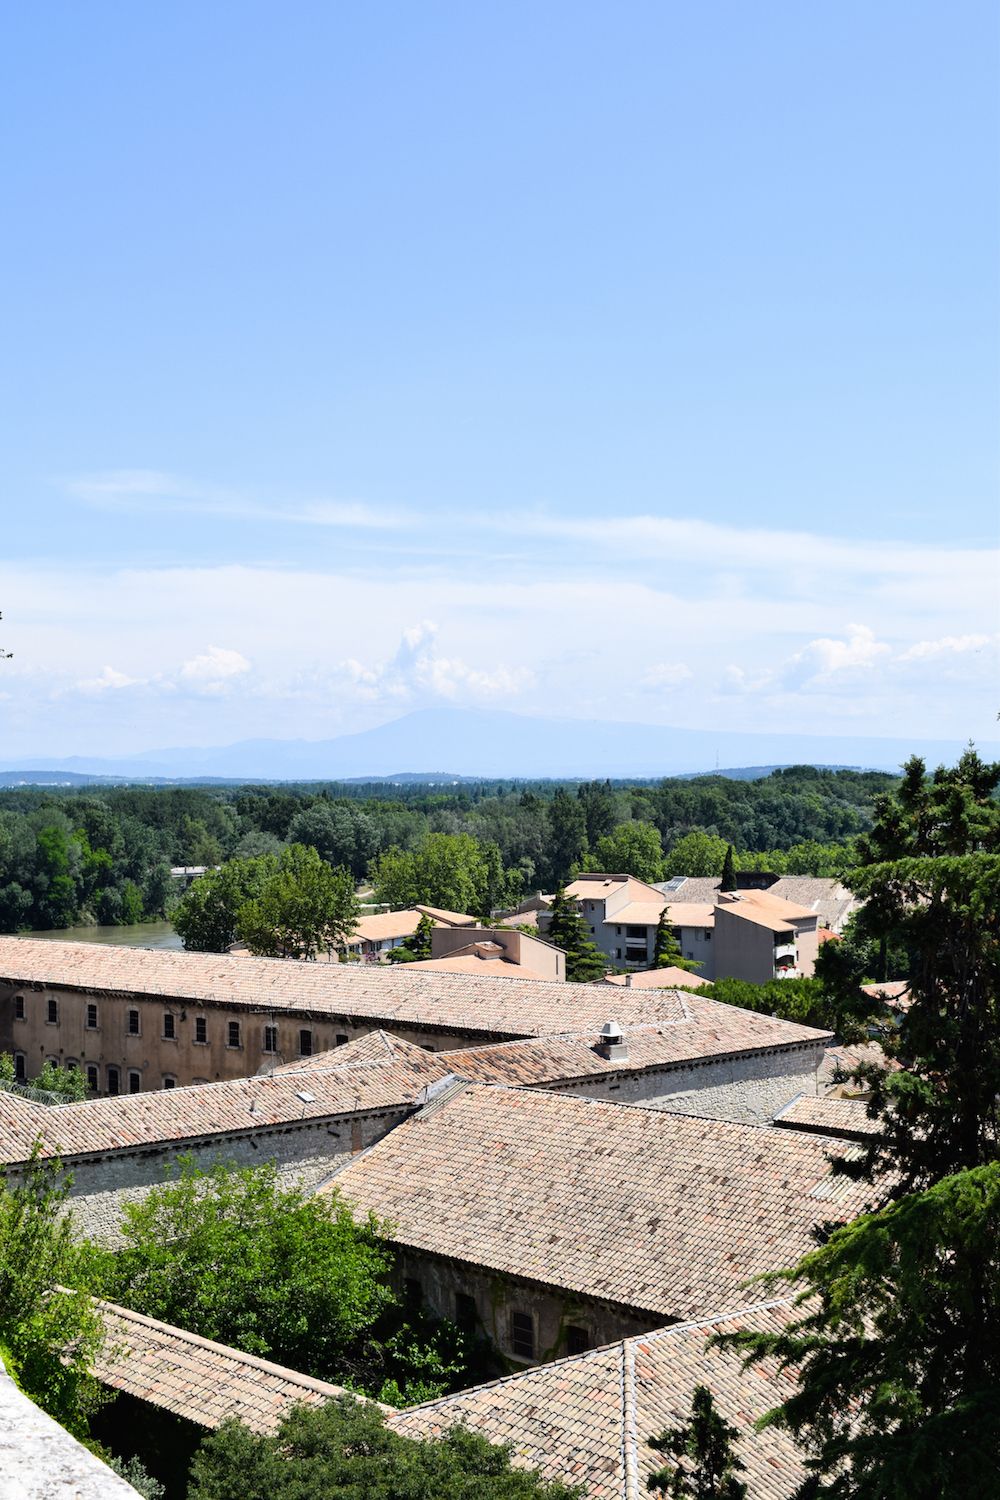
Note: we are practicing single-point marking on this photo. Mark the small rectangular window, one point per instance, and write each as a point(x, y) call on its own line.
point(169, 1082)
point(93, 1078)
point(522, 1335)
point(114, 1081)
point(169, 1030)
point(577, 1339)
point(341, 1039)
point(134, 1082)
point(234, 1034)
point(270, 1038)
point(413, 1291)
point(19, 1070)
point(91, 1017)
point(708, 934)
point(133, 1023)
point(200, 1029)
point(305, 1043)
point(18, 1007)
point(466, 1315)
point(52, 1012)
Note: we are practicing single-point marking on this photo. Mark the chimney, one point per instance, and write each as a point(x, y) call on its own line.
point(611, 1043)
point(628, 981)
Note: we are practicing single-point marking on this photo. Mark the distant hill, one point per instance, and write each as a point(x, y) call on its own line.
point(492, 743)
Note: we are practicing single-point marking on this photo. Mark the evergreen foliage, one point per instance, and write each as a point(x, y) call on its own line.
point(420, 943)
point(633, 848)
point(343, 1451)
point(567, 930)
point(728, 871)
point(666, 949)
point(707, 1462)
point(454, 872)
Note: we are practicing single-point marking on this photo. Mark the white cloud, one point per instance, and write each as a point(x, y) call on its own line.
point(824, 658)
point(948, 645)
point(213, 671)
point(665, 674)
point(152, 489)
point(417, 670)
point(110, 680)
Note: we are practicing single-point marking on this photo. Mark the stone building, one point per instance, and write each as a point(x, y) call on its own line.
point(586, 1419)
point(136, 1020)
point(555, 1224)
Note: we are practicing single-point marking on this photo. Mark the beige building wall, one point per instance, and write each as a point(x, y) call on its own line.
point(130, 1061)
point(528, 952)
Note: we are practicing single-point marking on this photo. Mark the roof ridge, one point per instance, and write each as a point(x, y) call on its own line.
point(629, 1441)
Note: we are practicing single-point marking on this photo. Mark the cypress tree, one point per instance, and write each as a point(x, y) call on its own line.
point(666, 950)
point(728, 871)
point(704, 1444)
point(568, 931)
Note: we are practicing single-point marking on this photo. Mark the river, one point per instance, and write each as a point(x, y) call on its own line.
point(142, 935)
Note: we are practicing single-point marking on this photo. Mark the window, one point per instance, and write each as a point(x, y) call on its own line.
point(270, 1038)
point(169, 1027)
point(341, 1039)
point(413, 1291)
point(93, 1078)
point(233, 1034)
point(134, 1081)
point(636, 932)
point(133, 1023)
point(52, 1013)
point(91, 1017)
point(577, 1340)
point(305, 1043)
point(18, 1007)
point(522, 1335)
point(19, 1071)
point(169, 1082)
point(707, 934)
point(466, 1315)
point(200, 1029)
point(72, 1065)
point(114, 1081)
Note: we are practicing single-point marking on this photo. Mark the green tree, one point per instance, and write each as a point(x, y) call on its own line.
point(420, 943)
point(567, 840)
point(233, 1256)
point(206, 916)
point(302, 909)
point(633, 848)
point(69, 1082)
point(452, 871)
point(707, 1462)
point(728, 871)
point(567, 930)
point(49, 1335)
point(344, 1451)
point(697, 853)
point(896, 1347)
point(666, 949)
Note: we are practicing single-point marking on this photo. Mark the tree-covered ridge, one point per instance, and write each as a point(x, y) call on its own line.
point(104, 854)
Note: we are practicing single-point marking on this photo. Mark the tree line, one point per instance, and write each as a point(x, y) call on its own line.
point(104, 854)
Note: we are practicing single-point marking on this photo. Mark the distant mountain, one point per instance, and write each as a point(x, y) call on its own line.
point(493, 743)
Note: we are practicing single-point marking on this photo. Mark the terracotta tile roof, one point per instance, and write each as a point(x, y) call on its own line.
point(474, 963)
point(586, 1420)
point(445, 918)
point(598, 887)
point(655, 979)
point(483, 1005)
point(762, 907)
point(846, 1119)
point(581, 1420)
point(196, 1378)
point(666, 1214)
point(396, 924)
point(698, 1029)
point(239, 1105)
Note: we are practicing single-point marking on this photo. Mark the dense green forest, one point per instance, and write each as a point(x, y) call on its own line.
point(104, 854)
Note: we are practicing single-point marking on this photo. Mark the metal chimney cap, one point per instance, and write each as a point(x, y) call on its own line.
point(611, 1032)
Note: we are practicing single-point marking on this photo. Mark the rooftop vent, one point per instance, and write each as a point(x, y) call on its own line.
point(611, 1043)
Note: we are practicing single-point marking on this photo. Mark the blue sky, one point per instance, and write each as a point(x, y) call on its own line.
point(637, 361)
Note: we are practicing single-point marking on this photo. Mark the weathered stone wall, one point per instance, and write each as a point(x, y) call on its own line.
point(304, 1155)
point(154, 1057)
point(439, 1282)
point(748, 1089)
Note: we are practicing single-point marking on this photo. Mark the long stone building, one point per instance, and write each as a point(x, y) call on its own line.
point(138, 1020)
